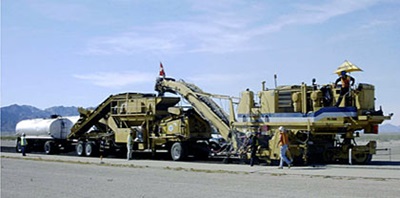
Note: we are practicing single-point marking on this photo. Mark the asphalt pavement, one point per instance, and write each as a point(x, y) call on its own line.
point(40, 175)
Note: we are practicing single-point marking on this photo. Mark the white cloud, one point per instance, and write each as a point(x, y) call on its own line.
point(117, 79)
point(174, 37)
point(372, 28)
point(307, 14)
point(319, 13)
point(219, 28)
point(376, 24)
point(131, 42)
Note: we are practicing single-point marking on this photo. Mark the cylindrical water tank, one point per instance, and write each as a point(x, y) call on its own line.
point(74, 119)
point(58, 128)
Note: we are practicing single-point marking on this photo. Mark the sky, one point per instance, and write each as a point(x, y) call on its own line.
point(77, 53)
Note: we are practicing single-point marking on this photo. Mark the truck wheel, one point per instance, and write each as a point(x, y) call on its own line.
point(362, 158)
point(178, 151)
point(215, 147)
point(90, 149)
point(80, 148)
point(202, 152)
point(49, 147)
point(18, 147)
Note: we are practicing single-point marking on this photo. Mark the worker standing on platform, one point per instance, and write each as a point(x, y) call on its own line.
point(284, 145)
point(345, 89)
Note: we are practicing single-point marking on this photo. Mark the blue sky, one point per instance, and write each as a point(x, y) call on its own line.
point(77, 53)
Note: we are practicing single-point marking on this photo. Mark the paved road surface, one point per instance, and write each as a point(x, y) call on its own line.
point(67, 176)
point(39, 175)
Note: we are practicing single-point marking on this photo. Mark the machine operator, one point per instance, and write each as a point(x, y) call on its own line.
point(345, 81)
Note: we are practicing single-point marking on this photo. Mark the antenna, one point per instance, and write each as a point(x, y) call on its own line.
point(275, 78)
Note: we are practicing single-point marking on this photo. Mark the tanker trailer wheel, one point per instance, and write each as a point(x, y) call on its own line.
point(80, 148)
point(18, 148)
point(90, 149)
point(178, 151)
point(49, 147)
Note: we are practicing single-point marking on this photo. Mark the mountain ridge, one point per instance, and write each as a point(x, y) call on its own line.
point(11, 115)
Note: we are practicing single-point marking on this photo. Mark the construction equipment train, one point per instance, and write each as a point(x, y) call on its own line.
point(318, 131)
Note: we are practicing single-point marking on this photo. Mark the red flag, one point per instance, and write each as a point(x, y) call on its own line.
point(162, 73)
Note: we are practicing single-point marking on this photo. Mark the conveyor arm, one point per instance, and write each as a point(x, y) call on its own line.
point(88, 119)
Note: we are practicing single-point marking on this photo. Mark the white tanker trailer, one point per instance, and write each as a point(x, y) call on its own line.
point(48, 133)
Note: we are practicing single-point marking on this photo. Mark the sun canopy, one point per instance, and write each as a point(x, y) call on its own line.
point(348, 67)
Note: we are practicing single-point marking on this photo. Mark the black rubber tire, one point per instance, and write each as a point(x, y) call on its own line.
point(362, 158)
point(215, 146)
point(49, 147)
point(90, 149)
point(178, 151)
point(18, 148)
point(80, 148)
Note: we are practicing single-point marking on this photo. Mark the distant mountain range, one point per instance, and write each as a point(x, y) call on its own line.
point(11, 115)
point(388, 128)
